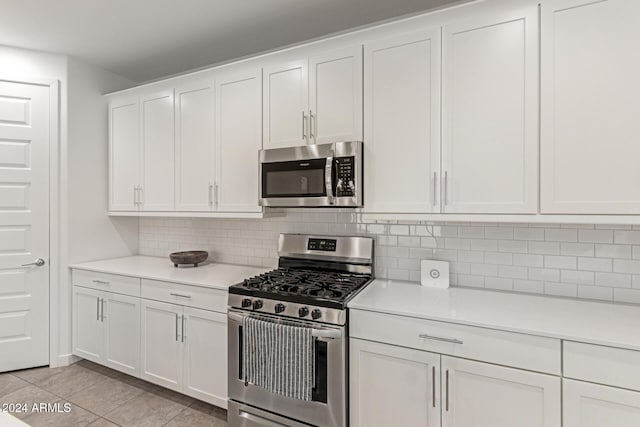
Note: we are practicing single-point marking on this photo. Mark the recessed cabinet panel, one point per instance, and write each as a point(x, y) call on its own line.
point(335, 96)
point(238, 127)
point(286, 98)
point(161, 344)
point(158, 152)
point(393, 386)
point(590, 109)
point(194, 158)
point(402, 124)
point(482, 395)
point(591, 405)
point(122, 332)
point(490, 114)
point(88, 336)
point(125, 154)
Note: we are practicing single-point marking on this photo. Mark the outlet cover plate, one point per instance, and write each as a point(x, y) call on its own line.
point(434, 274)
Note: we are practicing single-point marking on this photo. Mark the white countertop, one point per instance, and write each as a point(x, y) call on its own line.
point(210, 275)
point(592, 322)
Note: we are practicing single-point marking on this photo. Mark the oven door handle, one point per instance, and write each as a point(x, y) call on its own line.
point(328, 179)
point(315, 332)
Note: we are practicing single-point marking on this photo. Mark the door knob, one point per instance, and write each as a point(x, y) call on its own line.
point(39, 262)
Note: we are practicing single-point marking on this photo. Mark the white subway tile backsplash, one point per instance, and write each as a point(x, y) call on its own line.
point(586, 261)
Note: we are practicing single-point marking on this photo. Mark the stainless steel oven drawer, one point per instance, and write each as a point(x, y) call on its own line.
point(240, 415)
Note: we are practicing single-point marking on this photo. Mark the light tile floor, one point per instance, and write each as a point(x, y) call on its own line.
point(101, 397)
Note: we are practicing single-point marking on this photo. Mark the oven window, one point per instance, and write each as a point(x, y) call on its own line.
point(294, 179)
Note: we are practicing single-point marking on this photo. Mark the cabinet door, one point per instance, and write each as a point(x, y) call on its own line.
point(393, 386)
point(590, 109)
point(335, 96)
point(238, 129)
point(158, 151)
point(286, 101)
point(88, 328)
point(161, 344)
point(591, 405)
point(121, 315)
point(194, 158)
point(490, 114)
point(124, 154)
point(477, 394)
point(205, 355)
point(402, 123)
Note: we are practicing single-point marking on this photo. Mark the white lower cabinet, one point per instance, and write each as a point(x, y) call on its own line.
point(185, 349)
point(592, 405)
point(476, 394)
point(106, 329)
point(393, 386)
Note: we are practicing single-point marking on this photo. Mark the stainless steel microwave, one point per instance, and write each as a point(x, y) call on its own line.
point(312, 175)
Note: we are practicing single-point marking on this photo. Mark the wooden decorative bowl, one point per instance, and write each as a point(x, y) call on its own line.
point(188, 257)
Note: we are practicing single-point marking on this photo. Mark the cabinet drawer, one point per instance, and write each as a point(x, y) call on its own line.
point(488, 345)
point(605, 365)
point(107, 282)
point(191, 296)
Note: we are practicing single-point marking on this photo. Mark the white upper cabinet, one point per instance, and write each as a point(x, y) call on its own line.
point(483, 395)
point(238, 140)
point(335, 96)
point(590, 108)
point(402, 123)
point(157, 193)
point(194, 157)
point(285, 105)
point(124, 154)
point(490, 114)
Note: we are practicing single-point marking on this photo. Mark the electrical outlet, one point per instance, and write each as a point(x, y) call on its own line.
point(434, 274)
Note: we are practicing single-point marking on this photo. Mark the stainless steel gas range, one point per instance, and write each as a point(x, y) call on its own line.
point(288, 333)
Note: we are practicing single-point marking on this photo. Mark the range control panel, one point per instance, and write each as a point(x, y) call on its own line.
point(327, 245)
point(345, 171)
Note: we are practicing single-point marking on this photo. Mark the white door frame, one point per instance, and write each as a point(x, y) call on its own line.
point(55, 207)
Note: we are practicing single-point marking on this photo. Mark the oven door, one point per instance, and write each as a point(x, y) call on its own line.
point(328, 404)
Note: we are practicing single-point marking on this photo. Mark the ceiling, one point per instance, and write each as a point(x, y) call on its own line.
point(148, 39)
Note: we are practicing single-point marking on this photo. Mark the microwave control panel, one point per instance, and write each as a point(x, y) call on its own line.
point(345, 174)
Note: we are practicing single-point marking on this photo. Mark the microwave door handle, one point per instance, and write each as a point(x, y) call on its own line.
point(328, 179)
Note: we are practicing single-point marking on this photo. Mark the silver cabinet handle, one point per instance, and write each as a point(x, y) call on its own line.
point(434, 338)
point(210, 194)
point(435, 189)
point(97, 309)
point(433, 386)
point(102, 316)
point(135, 195)
point(177, 320)
point(216, 194)
point(447, 391)
point(184, 320)
point(100, 282)
point(312, 134)
point(446, 190)
point(39, 262)
point(180, 295)
point(304, 127)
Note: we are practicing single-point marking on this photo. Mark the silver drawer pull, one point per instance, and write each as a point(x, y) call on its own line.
point(181, 295)
point(101, 282)
point(431, 337)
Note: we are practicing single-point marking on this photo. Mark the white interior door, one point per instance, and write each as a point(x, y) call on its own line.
point(286, 98)
point(24, 225)
point(335, 96)
point(194, 147)
point(490, 114)
point(238, 127)
point(402, 123)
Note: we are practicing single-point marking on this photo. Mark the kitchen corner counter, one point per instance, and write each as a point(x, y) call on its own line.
point(576, 320)
point(208, 274)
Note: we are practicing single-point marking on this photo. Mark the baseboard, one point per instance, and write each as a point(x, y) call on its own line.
point(64, 360)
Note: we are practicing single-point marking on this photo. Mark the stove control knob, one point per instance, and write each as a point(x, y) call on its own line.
point(246, 303)
point(257, 304)
point(315, 314)
point(279, 308)
point(303, 311)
